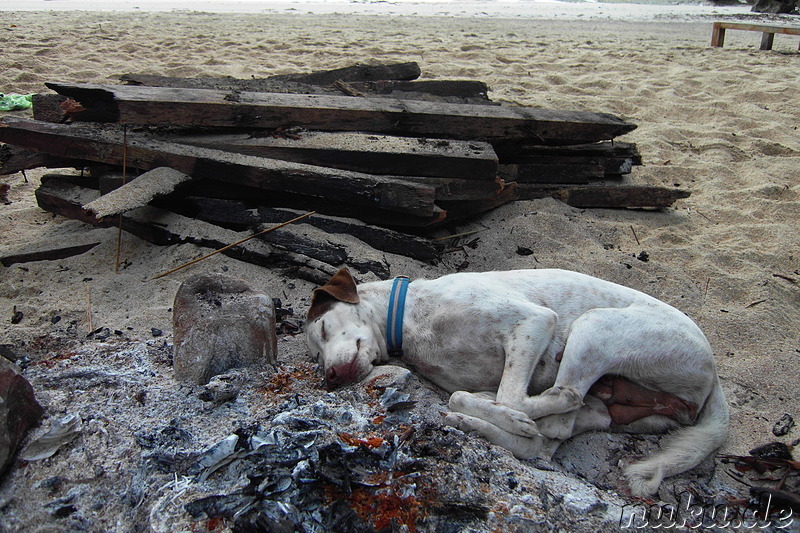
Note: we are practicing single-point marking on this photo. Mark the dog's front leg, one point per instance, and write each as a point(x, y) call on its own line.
point(523, 447)
point(524, 348)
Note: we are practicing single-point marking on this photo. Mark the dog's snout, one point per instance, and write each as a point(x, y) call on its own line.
point(343, 374)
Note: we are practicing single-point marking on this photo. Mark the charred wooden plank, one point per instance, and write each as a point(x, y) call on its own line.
point(48, 107)
point(142, 152)
point(258, 197)
point(460, 210)
point(149, 223)
point(474, 89)
point(360, 72)
point(552, 173)
point(606, 196)
point(163, 227)
point(138, 192)
point(362, 152)
point(460, 91)
point(45, 252)
point(210, 108)
point(260, 85)
point(240, 214)
point(14, 159)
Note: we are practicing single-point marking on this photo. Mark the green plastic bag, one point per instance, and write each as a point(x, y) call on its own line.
point(13, 102)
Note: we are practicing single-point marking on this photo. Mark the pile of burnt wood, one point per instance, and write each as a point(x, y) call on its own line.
point(378, 156)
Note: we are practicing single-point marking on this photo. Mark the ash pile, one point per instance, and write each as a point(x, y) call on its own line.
point(379, 155)
point(138, 451)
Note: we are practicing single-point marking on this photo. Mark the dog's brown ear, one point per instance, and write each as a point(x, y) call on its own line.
point(340, 288)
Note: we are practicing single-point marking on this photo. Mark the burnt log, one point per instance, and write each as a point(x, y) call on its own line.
point(456, 91)
point(232, 213)
point(288, 246)
point(362, 152)
point(359, 72)
point(108, 146)
point(45, 252)
point(211, 108)
point(14, 159)
point(606, 196)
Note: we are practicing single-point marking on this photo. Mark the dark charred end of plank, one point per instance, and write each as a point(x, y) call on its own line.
point(88, 104)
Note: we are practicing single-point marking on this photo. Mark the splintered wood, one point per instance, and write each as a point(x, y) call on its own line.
point(364, 144)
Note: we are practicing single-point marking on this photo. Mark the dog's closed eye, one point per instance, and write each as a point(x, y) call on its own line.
point(324, 333)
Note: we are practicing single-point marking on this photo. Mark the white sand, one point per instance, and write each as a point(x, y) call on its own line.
point(721, 122)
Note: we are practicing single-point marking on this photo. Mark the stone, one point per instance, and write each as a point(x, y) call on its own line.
point(783, 426)
point(774, 6)
point(19, 411)
point(221, 323)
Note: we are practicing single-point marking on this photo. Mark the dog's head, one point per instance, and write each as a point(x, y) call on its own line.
point(339, 332)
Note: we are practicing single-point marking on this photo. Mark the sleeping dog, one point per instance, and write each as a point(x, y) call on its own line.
point(533, 357)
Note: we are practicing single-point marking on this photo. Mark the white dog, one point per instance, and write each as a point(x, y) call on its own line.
point(533, 357)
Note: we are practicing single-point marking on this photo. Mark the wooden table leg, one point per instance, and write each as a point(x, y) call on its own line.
point(766, 40)
point(717, 35)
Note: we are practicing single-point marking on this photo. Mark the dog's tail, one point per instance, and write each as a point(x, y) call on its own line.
point(684, 448)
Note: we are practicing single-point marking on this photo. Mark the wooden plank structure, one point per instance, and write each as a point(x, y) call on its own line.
point(768, 32)
point(208, 108)
point(210, 159)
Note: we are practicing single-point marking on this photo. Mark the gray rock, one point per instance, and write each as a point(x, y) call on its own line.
point(774, 6)
point(19, 411)
point(221, 323)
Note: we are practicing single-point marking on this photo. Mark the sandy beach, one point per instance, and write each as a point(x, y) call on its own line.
point(721, 122)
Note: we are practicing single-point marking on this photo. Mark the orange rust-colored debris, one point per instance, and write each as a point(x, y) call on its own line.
point(284, 379)
point(71, 106)
point(369, 442)
point(384, 508)
point(51, 362)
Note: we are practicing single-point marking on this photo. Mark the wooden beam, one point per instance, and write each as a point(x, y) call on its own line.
point(257, 197)
point(287, 246)
point(210, 108)
point(359, 72)
point(261, 85)
point(240, 214)
point(467, 91)
point(552, 173)
point(102, 145)
point(362, 152)
point(465, 209)
point(149, 223)
point(606, 196)
point(14, 159)
point(45, 252)
point(138, 192)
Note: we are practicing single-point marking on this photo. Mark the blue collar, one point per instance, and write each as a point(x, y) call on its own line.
point(394, 318)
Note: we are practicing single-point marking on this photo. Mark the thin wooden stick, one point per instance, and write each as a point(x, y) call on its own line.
point(89, 323)
point(635, 236)
point(234, 244)
point(473, 232)
point(124, 176)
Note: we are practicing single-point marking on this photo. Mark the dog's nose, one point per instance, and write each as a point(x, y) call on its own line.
point(343, 374)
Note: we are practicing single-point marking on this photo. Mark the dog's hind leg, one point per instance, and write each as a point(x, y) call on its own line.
point(600, 342)
point(591, 416)
point(555, 429)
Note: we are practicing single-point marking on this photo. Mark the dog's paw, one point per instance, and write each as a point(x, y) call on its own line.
point(556, 426)
point(507, 418)
point(518, 423)
point(459, 421)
